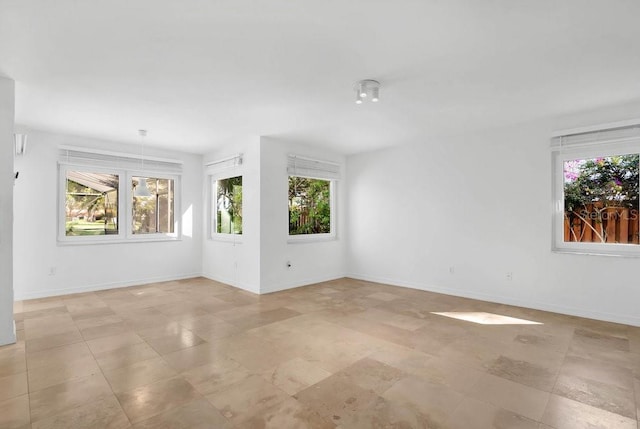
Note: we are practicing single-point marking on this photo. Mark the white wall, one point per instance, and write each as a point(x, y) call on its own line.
point(91, 267)
point(236, 260)
point(481, 203)
point(7, 329)
point(311, 262)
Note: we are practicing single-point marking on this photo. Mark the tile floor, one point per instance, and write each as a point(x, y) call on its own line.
point(346, 354)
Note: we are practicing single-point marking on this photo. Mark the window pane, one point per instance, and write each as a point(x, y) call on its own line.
point(91, 206)
point(153, 211)
point(309, 206)
point(229, 206)
point(601, 200)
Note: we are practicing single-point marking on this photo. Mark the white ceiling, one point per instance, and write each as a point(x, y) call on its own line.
point(198, 72)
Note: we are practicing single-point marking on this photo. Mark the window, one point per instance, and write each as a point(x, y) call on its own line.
point(228, 206)
point(97, 206)
point(312, 185)
point(153, 214)
point(309, 206)
point(597, 192)
point(91, 203)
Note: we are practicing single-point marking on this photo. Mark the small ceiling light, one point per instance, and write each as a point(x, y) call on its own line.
point(374, 94)
point(141, 189)
point(367, 87)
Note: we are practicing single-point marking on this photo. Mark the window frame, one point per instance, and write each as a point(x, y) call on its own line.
point(327, 236)
point(559, 156)
point(125, 206)
point(213, 206)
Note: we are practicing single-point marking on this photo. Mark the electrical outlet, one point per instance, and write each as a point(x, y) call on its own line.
point(509, 276)
point(52, 271)
point(452, 269)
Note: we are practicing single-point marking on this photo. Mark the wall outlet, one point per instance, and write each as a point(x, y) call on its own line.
point(52, 271)
point(509, 276)
point(452, 269)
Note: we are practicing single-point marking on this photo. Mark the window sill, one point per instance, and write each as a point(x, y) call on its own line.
point(93, 241)
point(227, 238)
point(311, 238)
point(635, 253)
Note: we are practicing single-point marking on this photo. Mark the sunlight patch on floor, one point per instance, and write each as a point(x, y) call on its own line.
point(486, 318)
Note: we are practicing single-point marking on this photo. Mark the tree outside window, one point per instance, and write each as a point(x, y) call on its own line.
point(228, 206)
point(309, 206)
point(601, 199)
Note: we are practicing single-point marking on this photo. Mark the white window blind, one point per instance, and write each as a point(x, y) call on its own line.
point(313, 168)
point(619, 135)
point(98, 158)
point(223, 164)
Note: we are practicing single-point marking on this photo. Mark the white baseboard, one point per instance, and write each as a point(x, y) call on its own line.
point(230, 282)
point(306, 282)
point(625, 319)
point(270, 289)
point(19, 296)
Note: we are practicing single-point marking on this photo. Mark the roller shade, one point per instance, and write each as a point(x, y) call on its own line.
point(223, 164)
point(314, 168)
point(97, 158)
point(619, 135)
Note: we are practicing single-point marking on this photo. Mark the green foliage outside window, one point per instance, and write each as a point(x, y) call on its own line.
point(309, 206)
point(229, 205)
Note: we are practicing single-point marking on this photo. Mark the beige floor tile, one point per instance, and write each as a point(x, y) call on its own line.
point(68, 395)
point(113, 342)
point(568, 414)
point(13, 385)
point(43, 343)
point(435, 401)
point(106, 330)
point(61, 371)
point(12, 360)
point(139, 374)
point(605, 396)
point(147, 401)
point(295, 375)
point(288, 414)
point(216, 376)
point(105, 413)
point(511, 396)
point(171, 338)
point(185, 359)
point(248, 397)
point(198, 414)
point(62, 355)
point(354, 354)
point(125, 356)
point(476, 414)
point(14, 413)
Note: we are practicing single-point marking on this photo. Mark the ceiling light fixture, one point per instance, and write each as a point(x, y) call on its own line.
point(367, 87)
point(142, 190)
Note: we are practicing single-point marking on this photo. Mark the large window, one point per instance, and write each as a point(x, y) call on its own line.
point(597, 192)
point(91, 203)
point(228, 206)
point(153, 213)
point(97, 205)
point(309, 206)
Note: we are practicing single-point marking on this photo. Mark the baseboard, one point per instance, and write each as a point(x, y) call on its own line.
point(306, 282)
point(230, 282)
point(571, 311)
point(100, 286)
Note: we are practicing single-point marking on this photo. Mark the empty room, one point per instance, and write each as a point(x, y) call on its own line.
point(319, 214)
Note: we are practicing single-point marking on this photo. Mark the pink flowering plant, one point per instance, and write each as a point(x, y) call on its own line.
point(599, 183)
